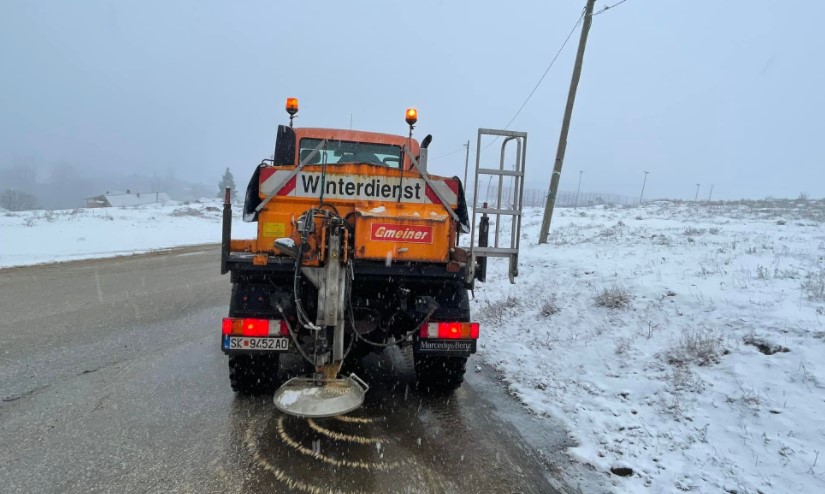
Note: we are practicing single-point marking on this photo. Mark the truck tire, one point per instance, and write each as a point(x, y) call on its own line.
point(254, 374)
point(439, 373)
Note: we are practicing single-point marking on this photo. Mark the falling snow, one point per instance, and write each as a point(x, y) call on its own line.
point(681, 344)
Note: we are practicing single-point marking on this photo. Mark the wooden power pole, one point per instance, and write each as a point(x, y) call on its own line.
point(565, 125)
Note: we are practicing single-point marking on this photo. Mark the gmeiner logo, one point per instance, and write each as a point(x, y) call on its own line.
point(391, 232)
point(348, 187)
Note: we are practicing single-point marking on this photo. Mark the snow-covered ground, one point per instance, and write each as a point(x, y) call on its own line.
point(683, 344)
point(34, 237)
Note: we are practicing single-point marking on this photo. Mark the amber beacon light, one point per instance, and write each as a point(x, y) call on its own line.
point(292, 106)
point(412, 116)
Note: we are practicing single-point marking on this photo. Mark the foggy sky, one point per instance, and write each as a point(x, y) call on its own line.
point(725, 93)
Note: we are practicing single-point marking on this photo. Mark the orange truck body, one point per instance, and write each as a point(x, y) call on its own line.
point(356, 250)
point(397, 215)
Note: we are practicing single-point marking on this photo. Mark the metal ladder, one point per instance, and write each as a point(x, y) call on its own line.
point(480, 249)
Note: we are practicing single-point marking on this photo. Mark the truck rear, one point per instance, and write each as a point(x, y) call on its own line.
point(356, 250)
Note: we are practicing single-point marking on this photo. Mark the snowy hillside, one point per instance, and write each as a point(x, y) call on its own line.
point(682, 344)
point(34, 237)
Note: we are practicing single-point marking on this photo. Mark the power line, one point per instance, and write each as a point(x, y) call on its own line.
point(541, 79)
point(608, 7)
point(569, 35)
point(448, 154)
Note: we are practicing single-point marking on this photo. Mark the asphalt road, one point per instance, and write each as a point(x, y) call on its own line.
point(112, 380)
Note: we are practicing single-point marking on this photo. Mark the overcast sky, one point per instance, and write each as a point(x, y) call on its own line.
point(730, 93)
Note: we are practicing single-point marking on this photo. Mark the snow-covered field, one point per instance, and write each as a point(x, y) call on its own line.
point(34, 237)
point(682, 344)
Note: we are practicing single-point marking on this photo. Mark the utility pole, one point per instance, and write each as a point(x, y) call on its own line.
point(467, 163)
point(696, 197)
point(576, 201)
point(565, 125)
point(711, 192)
point(642, 195)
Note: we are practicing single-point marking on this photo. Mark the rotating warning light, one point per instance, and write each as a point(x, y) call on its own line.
point(292, 106)
point(412, 116)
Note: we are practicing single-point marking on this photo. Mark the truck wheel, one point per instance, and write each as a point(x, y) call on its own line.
point(439, 373)
point(254, 374)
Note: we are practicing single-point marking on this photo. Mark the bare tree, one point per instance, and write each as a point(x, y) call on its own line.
point(17, 200)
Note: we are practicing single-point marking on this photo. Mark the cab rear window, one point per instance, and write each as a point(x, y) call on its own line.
point(335, 152)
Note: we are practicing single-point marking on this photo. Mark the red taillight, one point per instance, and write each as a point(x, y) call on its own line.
point(253, 327)
point(450, 330)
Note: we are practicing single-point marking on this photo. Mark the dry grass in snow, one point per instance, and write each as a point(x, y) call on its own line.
point(683, 344)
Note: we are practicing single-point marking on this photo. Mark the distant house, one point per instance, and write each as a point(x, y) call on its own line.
point(125, 199)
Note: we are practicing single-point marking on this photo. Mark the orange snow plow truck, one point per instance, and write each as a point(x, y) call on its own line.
point(356, 250)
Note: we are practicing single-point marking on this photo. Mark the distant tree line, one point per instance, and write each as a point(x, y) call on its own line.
point(65, 186)
point(533, 197)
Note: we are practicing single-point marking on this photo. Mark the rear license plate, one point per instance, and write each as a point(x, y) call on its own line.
point(257, 344)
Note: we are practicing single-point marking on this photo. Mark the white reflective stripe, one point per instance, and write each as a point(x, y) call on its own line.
point(274, 327)
point(277, 179)
point(268, 185)
point(432, 330)
point(444, 191)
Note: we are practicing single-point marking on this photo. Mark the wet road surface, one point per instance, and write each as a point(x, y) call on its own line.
point(112, 380)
